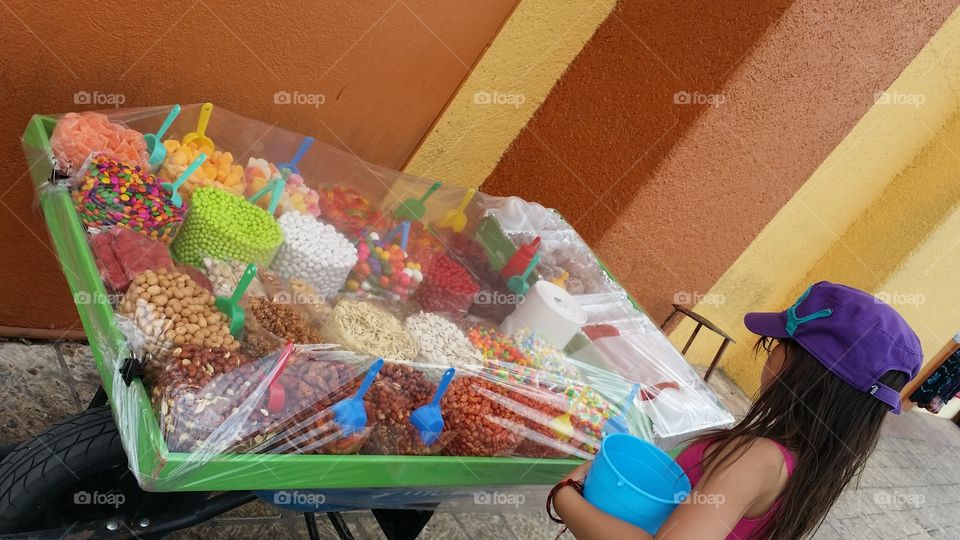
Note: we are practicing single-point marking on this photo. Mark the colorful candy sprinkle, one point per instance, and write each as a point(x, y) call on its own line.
point(115, 194)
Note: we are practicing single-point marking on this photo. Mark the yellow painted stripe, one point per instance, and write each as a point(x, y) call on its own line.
point(510, 81)
point(881, 213)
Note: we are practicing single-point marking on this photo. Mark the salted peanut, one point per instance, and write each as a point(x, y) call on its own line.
point(172, 310)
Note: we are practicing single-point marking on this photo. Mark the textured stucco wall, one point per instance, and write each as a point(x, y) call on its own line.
point(670, 194)
point(385, 70)
point(882, 213)
point(522, 65)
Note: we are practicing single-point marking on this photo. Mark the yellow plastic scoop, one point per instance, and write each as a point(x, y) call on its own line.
point(199, 136)
point(457, 219)
point(562, 426)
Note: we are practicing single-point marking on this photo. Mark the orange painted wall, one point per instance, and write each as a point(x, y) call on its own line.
point(669, 194)
point(385, 69)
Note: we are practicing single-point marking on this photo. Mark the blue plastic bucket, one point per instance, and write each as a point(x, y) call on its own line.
point(635, 481)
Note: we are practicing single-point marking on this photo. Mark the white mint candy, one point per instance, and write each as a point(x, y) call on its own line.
point(314, 252)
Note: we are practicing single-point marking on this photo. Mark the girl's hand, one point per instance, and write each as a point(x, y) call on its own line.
point(579, 473)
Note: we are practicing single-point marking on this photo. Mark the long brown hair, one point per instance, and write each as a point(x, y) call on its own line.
point(830, 426)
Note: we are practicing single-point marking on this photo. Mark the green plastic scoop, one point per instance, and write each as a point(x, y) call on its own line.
point(231, 306)
point(412, 208)
point(275, 188)
point(518, 284)
point(155, 147)
point(174, 188)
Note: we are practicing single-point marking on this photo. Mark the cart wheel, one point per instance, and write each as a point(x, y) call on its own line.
point(73, 471)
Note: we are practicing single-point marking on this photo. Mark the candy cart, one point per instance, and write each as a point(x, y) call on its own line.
point(275, 318)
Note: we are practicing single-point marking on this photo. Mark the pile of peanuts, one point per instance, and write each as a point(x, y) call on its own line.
point(224, 276)
point(312, 385)
point(183, 392)
point(479, 424)
point(283, 322)
point(538, 409)
point(170, 309)
point(396, 392)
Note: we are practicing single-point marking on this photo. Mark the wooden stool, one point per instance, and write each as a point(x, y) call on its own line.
point(701, 321)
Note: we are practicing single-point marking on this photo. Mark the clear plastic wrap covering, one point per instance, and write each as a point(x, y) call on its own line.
point(354, 343)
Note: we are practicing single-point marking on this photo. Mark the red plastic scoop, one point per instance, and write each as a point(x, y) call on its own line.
point(276, 395)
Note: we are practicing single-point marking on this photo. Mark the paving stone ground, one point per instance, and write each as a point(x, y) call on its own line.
point(909, 489)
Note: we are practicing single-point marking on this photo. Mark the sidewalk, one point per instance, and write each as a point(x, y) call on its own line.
point(908, 489)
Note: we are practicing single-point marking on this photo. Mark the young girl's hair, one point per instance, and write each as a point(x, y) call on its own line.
point(829, 425)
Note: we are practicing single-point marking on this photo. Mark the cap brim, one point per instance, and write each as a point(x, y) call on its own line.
point(767, 324)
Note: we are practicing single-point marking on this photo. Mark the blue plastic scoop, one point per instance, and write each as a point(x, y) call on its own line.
point(618, 424)
point(156, 149)
point(403, 229)
point(350, 413)
point(174, 188)
point(427, 419)
point(292, 164)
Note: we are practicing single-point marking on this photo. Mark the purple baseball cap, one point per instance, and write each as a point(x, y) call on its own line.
point(855, 335)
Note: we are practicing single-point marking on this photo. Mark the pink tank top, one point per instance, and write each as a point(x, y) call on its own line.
point(690, 461)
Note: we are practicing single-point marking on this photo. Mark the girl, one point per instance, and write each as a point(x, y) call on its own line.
point(836, 361)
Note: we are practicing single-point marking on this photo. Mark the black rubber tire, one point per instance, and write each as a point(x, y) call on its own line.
point(39, 471)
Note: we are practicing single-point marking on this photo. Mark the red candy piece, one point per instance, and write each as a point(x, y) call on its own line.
point(121, 254)
point(447, 287)
point(597, 331)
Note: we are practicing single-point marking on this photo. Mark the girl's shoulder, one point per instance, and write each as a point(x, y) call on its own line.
point(768, 453)
point(760, 467)
point(765, 454)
